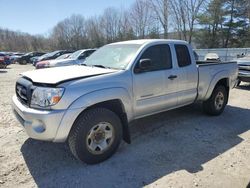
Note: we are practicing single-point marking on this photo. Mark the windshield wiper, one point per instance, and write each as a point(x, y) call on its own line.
point(101, 66)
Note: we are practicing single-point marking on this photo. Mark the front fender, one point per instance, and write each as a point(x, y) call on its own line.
point(102, 95)
point(88, 100)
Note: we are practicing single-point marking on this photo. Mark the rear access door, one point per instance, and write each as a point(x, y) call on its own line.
point(187, 74)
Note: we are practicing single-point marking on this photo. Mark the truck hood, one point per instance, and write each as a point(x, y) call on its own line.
point(61, 74)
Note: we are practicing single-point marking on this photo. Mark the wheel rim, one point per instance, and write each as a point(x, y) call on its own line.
point(100, 138)
point(219, 101)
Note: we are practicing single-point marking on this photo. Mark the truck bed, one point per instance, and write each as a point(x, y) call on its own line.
point(209, 62)
point(211, 71)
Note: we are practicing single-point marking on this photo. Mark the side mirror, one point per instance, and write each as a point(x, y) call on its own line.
point(144, 65)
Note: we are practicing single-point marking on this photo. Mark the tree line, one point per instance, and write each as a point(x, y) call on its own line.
point(204, 23)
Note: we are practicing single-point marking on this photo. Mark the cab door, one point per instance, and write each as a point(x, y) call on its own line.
point(188, 77)
point(154, 89)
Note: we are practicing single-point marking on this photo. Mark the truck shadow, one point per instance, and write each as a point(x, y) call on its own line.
point(182, 139)
point(246, 86)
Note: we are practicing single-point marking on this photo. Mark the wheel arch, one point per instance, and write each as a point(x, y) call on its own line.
point(223, 81)
point(116, 106)
point(106, 98)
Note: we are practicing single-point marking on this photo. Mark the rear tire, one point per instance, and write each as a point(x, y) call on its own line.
point(216, 103)
point(95, 135)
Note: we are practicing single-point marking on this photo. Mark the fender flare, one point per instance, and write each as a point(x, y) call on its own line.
point(217, 77)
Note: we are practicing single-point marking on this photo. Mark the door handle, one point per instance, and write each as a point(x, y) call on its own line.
point(149, 95)
point(171, 77)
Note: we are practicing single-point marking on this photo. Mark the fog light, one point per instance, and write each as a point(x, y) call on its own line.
point(38, 126)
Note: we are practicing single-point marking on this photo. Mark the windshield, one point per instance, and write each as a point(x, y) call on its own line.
point(116, 56)
point(43, 56)
point(75, 54)
point(52, 53)
point(48, 55)
point(64, 56)
point(28, 54)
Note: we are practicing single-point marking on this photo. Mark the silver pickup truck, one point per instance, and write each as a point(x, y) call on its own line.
point(244, 69)
point(91, 105)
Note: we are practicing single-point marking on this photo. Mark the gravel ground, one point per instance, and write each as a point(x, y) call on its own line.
point(179, 148)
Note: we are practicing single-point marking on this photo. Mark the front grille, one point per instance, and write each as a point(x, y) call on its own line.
point(24, 90)
point(244, 67)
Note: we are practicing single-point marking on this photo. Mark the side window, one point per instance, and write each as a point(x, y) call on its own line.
point(160, 56)
point(88, 53)
point(58, 54)
point(183, 56)
point(82, 56)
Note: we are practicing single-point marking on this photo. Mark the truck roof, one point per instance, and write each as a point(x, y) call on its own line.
point(146, 41)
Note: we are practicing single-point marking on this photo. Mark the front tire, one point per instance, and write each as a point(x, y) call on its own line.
point(95, 135)
point(216, 103)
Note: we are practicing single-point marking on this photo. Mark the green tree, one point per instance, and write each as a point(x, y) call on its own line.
point(210, 36)
point(236, 25)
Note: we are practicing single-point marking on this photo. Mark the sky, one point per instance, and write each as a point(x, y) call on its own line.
point(40, 16)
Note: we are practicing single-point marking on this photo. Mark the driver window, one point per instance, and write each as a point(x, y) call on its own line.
point(160, 56)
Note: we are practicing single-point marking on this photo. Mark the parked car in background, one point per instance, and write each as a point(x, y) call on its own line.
point(44, 64)
point(35, 58)
point(15, 57)
point(64, 56)
point(91, 106)
point(4, 60)
point(51, 55)
point(212, 57)
point(244, 69)
point(26, 57)
point(75, 58)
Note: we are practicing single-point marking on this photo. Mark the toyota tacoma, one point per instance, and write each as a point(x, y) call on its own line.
point(91, 105)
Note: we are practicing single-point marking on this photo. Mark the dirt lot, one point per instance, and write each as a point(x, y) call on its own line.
point(180, 148)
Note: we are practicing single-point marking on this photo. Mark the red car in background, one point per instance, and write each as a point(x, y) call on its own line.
point(45, 63)
point(4, 60)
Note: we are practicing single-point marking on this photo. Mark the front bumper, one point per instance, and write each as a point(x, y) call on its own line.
point(244, 76)
point(39, 124)
point(42, 65)
point(46, 125)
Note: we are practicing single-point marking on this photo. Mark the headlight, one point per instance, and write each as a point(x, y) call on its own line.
point(45, 96)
